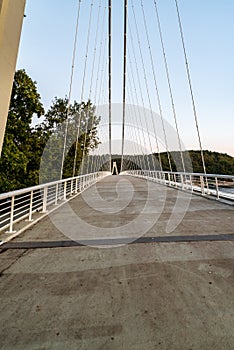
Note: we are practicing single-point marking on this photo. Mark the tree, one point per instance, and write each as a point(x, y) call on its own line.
point(17, 149)
point(24, 144)
point(79, 123)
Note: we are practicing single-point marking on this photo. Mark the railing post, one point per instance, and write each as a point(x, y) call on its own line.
point(31, 207)
point(191, 183)
point(202, 185)
point(182, 181)
point(84, 182)
point(169, 179)
point(217, 187)
point(160, 177)
point(56, 195)
point(12, 215)
point(71, 192)
point(79, 185)
point(65, 190)
point(76, 188)
point(44, 206)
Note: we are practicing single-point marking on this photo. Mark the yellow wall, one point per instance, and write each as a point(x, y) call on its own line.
point(11, 18)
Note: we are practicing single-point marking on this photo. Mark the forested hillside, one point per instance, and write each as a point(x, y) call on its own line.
point(216, 163)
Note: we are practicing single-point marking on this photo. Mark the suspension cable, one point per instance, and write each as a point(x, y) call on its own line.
point(124, 77)
point(156, 88)
point(110, 74)
point(98, 76)
point(87, 49)
point(95, 48)
point(134, 86)
point(147, 90)
point(190, 86)
point(134, 116)
point(132, 129)
point(70, 87)
point(83, 83)
point(141, 94)
point(169, 82)
point(102, 86)
point(91, 86)
point(137, 103)
point(131, 99)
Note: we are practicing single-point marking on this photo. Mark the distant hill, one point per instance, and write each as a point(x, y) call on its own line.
point(216, 163)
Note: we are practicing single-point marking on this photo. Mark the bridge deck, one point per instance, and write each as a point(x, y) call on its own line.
point(174, 295)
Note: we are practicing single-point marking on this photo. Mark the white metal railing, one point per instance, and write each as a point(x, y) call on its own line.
point(23, 204)
point(213, 185)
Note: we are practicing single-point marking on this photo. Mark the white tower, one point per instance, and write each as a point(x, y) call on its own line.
point(11, 19)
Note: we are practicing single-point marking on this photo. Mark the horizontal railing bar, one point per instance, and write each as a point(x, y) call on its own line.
point(5, 210)
point(214, 185)
point(5, 227)
point(7, 219)
point(39, 187)
point(189, 174)
point(22, 204)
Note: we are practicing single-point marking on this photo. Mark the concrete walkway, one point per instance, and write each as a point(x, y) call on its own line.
point(169, 296)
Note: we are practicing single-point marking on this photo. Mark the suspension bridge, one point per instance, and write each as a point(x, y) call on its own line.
point(162, 277)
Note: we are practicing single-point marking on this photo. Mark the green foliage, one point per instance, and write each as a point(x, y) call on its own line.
point(25, 102)
point(216, 163)
point(24, 144)
point(79, 123)
point(13, 166)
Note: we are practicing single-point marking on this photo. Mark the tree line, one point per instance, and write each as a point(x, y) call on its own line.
point(216, 163)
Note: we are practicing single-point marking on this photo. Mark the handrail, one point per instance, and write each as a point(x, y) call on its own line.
point(38, 187)
point(194, 174)
point(213, 185)
point(22, 204)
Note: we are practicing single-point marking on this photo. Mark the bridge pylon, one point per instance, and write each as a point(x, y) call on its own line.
point(115, 169)
point(11, 19)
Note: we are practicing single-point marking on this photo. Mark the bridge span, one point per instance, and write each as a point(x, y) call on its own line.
point(170, 287)
point(140, 260)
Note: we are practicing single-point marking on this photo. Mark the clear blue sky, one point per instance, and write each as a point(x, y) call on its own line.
point(46, 54)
